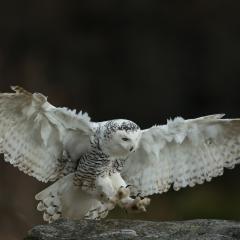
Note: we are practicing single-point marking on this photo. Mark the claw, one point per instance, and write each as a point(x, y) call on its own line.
point(139, 195)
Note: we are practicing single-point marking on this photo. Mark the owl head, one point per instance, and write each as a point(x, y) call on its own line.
point(121, 137)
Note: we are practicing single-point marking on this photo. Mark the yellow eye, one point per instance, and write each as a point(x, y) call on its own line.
point(125, 139)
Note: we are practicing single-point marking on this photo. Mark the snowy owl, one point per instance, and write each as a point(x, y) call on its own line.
point(96, 166)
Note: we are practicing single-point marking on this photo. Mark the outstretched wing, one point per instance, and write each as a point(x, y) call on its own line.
point(34, 135)
point(183, 153)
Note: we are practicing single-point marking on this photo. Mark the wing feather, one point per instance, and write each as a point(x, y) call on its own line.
point(33, 133)
point(183, 153)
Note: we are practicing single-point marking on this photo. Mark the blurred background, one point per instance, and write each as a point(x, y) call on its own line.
point(142, 60)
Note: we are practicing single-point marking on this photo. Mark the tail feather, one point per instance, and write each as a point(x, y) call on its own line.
point(97, 212)
point(63, 199)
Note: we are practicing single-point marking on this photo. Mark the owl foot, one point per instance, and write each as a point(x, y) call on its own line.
point(135, 205)
point(123, 199)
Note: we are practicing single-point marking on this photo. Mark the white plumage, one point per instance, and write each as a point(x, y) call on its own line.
point(33, 133)
point(183, 153)
point(92, 163)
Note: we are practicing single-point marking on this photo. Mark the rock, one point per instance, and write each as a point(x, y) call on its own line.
point(132, 229)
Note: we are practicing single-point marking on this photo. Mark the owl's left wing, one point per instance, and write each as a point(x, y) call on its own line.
point(183, 153)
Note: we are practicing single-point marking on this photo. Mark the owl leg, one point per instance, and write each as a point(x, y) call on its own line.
point(104, 192)
point(122, 196)
point(112, 190)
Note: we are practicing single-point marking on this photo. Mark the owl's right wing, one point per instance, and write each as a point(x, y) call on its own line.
point(34, 134)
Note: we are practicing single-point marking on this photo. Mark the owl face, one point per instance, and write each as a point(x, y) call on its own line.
point(122, 143)
point(122, 139)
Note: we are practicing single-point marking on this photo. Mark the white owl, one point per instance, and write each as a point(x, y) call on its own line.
point(97, 166)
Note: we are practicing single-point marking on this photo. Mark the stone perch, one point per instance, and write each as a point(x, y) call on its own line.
point(131, 229)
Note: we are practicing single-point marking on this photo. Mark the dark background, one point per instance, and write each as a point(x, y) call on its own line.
point(142, 60)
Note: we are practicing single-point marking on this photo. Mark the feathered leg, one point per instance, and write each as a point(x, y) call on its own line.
point(122, 196)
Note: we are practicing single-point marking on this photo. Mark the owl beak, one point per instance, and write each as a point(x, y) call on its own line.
point(131, 149)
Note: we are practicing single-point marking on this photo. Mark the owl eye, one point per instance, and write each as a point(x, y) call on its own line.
point(125, 139)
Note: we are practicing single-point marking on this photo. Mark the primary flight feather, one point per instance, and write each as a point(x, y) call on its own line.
point(98, 165)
